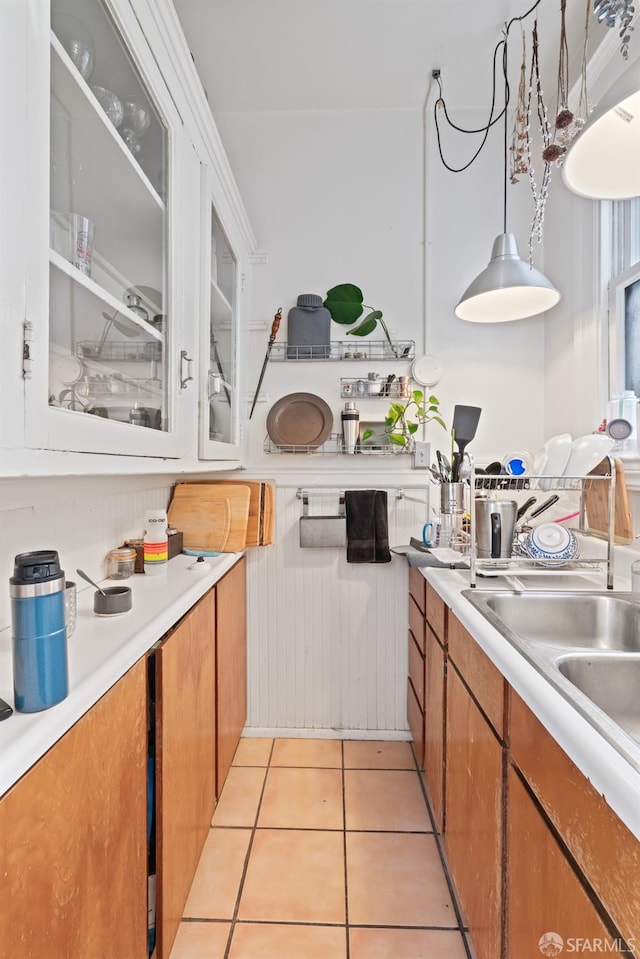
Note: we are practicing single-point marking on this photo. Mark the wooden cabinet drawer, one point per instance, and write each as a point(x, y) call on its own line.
point(416, 623)
point(600, 842)
point(417, 587)
point(483, 679)
point(415, 718)
point(436, 614)
point(416, 669)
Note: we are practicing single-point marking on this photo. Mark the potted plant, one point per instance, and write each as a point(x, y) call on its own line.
point(345, 304)
point(403, 419)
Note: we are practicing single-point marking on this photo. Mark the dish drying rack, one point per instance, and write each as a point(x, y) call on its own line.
point(521, 563)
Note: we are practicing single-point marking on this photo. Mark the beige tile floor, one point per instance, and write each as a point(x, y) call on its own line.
point(320, 849)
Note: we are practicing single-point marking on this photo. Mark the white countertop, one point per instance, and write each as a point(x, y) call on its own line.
point(100, 651)
point(607, 770)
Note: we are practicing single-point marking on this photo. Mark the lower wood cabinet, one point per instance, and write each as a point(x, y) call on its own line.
point(533, 850)
point(547, 900)
point(74, 852)
point(185, 707)
point(231, 666)
point(73, 849)
point(473, 833)
point(595, 840)
point(434, 731)
point(426, 686)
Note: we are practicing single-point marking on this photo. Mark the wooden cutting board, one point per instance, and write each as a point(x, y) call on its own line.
point(260, 520)
point(211, 516)
point(266, 536)
point(596, 503)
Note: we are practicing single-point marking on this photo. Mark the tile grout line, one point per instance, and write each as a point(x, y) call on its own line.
point(462, 929)
point(248, 853)
point(344, 853)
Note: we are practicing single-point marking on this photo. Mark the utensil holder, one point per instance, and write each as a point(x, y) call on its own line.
point(452, 497)
point(322, 531)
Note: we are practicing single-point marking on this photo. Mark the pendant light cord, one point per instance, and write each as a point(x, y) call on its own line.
point(440, 103)
point(506, 153)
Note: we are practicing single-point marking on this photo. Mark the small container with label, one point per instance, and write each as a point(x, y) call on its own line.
point(156, 543)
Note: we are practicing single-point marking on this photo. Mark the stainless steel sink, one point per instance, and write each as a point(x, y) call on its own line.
point(584, 620)
point(586, 644)
point(612, 683)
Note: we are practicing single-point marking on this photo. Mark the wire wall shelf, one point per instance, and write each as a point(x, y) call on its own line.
point(334, 446)
point(380, 389)
point(344, 350)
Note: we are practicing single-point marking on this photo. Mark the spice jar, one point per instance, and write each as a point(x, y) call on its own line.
point(121, 562)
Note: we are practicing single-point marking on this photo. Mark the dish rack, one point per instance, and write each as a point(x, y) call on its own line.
point(521, 563)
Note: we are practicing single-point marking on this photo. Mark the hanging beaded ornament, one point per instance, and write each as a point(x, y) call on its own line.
point(519, 164)
point(535, 92)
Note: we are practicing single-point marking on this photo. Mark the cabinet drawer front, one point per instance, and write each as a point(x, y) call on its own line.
point(417, 587)
point(602, 845)
point(416, 669)
point(416, 623)
point(434, 726)
point(436, 614)
point(415, 718)
point(481, 676)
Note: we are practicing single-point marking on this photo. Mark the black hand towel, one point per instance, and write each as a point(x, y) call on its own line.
point(367, 526)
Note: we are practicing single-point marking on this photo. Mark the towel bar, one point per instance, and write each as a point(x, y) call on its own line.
point(301, 493)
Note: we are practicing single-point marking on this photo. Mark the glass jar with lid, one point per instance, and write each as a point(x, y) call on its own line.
point(121, 562)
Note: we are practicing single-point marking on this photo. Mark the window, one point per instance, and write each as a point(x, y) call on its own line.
point(621, 253)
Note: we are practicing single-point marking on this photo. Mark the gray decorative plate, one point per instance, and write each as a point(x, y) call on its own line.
point(300, 419)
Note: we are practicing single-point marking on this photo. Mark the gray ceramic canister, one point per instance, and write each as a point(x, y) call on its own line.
point(309, 329)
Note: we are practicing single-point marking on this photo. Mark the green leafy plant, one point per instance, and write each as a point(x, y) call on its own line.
point(345, 304)
point(400, 427)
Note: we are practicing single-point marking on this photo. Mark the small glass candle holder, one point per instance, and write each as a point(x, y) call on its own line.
point(121, 562)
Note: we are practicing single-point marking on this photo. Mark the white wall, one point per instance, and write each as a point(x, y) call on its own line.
point(339, 197)
point(81, 518)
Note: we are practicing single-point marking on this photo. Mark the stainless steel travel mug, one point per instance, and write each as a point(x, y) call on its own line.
point(39, 635)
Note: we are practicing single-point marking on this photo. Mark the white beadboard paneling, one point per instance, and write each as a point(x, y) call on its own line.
point(328, 639)
point(81, 518)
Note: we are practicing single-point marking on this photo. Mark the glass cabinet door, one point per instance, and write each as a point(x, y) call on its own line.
point(219, 426)
point(109, 260)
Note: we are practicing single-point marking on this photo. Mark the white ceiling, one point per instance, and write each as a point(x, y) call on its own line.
point(255, 55)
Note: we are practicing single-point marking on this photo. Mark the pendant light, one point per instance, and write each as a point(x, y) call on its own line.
point(603, 162)
point(508, 288)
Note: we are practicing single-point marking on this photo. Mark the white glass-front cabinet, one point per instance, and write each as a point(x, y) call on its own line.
point(224, 278)
point(109, 324)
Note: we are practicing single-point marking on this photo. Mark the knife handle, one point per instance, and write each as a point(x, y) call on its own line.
point(275, 326)
point(547, 503)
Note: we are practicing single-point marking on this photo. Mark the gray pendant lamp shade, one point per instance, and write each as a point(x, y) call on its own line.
point(603, 162)
point(508, 289)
